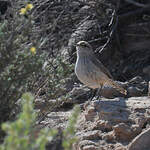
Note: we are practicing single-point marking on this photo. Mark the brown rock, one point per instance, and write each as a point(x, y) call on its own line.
point(103, 125)
point(90, 113)
point(134, 91)
point(122, 132)
point(116, 121)
point(109, 137)
point(96, 134)
point(141, 142)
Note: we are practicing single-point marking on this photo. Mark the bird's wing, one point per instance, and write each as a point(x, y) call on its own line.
point(100, 65)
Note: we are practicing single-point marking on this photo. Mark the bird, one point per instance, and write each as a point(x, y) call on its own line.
point(90, 71)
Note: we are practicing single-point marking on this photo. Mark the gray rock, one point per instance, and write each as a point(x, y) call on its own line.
point(116, 121)
point(146, 70)
point(141, 142)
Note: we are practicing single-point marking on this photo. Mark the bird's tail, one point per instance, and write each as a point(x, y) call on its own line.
point(117, 87)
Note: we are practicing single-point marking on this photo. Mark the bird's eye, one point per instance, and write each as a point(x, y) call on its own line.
point(83, 44)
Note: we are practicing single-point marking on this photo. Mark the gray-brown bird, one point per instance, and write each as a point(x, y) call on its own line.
point(90, 71)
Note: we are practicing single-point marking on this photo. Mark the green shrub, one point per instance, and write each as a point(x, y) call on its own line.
point(21, 60)
point(21, 134)
point(56, 73)
point(69, 132)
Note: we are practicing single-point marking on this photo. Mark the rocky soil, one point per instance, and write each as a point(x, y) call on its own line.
point(114, 122)
point(106, 123)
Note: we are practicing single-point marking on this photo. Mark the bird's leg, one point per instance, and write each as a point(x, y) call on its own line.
point(98, 93)
point(93, 93)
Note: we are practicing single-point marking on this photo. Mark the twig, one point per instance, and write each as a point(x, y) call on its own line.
point(111, 32)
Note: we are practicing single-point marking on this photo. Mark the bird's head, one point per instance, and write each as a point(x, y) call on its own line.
point(84, 48)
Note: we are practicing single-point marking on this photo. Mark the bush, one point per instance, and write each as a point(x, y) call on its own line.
point(21, 60)
point(22, 57)
point(55, 76)
point(22, 134)
point(69, 132)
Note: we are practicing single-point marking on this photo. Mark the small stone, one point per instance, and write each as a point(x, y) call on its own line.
point(122, 131)
point(109, 137)
point(103, 125)
point(96, 134)
point(90, 147)
point(146, 70)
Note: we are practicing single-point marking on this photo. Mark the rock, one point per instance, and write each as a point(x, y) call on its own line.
point(109, 137)
point(134, 91)
point(89, 114)
point(87, 142)
point(83, 32)
point(123, 132)
point(79, 94)
point(116, 121)
point(57, 120)
point(84, 9)
point(90, 135)
point(146, 70)
point(103, 125)
point(136, 80)
point(108, 124)
point(110, 92)
point(90, 147)
point(141, 142)
point(137, 87)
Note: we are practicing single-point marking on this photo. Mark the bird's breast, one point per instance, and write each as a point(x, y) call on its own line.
point(87, 73)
